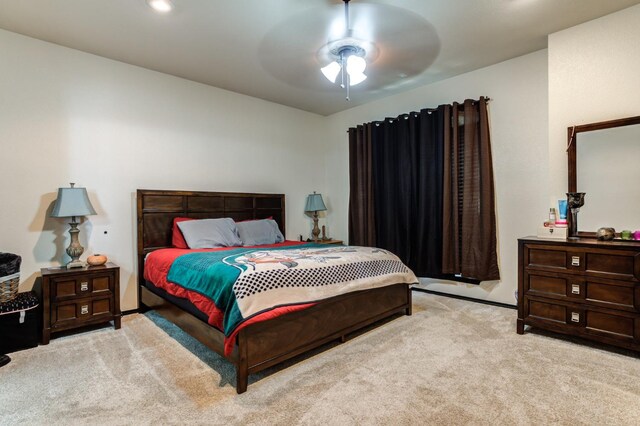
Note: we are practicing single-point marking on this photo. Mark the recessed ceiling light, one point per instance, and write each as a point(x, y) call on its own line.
point(162, 6)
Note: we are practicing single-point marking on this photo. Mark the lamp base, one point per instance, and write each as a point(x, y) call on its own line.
point(316, 231)
point(75, 264)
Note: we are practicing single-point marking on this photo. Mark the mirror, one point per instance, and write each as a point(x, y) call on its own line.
point(604, 162)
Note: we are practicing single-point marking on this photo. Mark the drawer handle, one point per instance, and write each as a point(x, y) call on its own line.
point(84, 309)
point(575, 260)
point(575, 288)
point(84, 286)
point(575, 316)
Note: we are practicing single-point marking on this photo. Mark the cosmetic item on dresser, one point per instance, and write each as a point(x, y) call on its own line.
point(582, 287)
point(561, 221)
point(552, 216)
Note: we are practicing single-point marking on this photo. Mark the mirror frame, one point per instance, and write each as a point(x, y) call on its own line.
point(572, 139)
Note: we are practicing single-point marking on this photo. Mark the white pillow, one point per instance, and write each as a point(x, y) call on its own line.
point(259, 232)
point(210, 233)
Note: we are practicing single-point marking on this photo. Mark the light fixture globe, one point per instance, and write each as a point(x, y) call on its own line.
point(161, 6)
point(331, 71)
point(356, 65)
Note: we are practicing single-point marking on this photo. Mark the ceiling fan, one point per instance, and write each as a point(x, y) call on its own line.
point(372, 45)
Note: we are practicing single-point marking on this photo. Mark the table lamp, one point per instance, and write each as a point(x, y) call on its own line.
point(72, 202)
point(315, 205)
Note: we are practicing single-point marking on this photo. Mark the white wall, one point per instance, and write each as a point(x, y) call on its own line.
point(594, 75)
point(518, 118)
point(68, 116)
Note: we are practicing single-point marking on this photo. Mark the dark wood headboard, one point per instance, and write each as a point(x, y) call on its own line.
point(157, 209)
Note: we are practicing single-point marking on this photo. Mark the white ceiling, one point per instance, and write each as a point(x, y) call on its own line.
point(269, 48)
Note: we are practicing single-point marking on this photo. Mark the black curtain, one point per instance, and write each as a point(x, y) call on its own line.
point(422, 188)
point(407, 161)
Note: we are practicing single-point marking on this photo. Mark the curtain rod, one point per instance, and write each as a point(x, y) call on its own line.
point(429, 110)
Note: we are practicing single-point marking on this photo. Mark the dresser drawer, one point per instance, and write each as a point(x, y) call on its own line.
point(73, 312)
point(554, 285)
point(621, 264)
point(617, 294)
point(583, 320)
point(560, 258)
point(77, 286)
point(615, 264)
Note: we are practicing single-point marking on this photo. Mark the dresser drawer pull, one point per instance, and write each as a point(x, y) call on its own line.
point(84, 309)
point(575, 288)
point(84, 286)
point(575, 316)
point(575, 260)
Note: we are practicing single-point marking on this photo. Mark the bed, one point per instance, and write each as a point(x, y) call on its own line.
point(261, 344)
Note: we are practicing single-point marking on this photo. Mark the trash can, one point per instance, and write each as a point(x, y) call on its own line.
point(19, 323)
point(9, 276)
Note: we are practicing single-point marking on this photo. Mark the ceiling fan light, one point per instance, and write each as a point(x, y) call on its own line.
point(162, 6)
point(356, 65)
point(356, 78)
point(331, 71)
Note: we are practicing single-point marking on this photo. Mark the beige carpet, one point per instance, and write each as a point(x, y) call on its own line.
point(452, 362)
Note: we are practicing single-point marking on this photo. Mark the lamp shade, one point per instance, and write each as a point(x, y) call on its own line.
point(315, 203)
point(72, 202)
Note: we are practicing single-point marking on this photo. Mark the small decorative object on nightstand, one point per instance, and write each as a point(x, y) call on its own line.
point(73, 298)
point(72, 202)
point(97, 259)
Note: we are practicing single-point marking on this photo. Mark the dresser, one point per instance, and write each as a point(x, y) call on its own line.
point(582, 287)
point(77, 297)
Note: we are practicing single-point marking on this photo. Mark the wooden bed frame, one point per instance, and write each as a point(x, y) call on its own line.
point(264, 344)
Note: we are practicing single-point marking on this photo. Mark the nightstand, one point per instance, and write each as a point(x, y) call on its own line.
point(336, 242)
point(76, 297)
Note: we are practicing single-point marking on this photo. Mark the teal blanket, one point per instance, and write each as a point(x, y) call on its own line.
point(213, 274)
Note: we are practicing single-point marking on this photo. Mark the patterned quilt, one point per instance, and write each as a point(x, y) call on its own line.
point(244, 283)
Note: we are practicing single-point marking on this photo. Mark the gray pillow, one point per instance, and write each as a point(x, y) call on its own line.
point(210, 233)
point(259, 232)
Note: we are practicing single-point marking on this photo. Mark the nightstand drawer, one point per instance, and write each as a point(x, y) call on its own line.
point(83, 310)
point(72, 287)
